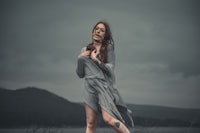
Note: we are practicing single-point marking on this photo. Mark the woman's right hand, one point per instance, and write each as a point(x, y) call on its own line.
point(86, 53)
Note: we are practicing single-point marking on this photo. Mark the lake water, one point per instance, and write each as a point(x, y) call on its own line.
point(103, 130)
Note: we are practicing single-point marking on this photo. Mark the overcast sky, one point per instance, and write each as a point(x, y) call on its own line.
point(157, 45)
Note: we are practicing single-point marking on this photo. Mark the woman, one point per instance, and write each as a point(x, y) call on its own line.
point(96, 64)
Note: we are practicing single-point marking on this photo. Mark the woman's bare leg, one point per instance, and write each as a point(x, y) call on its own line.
point(117, 125)
point(91, 119)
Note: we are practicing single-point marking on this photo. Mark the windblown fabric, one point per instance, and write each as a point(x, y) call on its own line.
point(100, 88)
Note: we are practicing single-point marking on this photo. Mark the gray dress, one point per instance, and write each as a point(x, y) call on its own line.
point(100, 88)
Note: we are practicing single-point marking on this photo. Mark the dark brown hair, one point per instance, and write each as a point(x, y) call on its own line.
point(107, 40)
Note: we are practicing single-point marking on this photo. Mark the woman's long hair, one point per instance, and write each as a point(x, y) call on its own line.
point(107, 40)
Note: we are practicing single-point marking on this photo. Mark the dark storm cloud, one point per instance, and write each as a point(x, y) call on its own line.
point(165, 31)
point(157, 45)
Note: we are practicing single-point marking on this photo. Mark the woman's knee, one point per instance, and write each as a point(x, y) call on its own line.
point(91, 122)
point(108, 118)
point(113, 122)
point(91, 117)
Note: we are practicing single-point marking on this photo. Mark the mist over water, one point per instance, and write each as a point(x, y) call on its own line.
point(103, 130)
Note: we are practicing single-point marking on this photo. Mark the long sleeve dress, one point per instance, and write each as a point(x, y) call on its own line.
point(100, 88)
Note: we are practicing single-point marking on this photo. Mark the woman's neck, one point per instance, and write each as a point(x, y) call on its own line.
point(97, 43)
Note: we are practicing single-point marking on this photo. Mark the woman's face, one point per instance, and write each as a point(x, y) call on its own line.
point(99, 32)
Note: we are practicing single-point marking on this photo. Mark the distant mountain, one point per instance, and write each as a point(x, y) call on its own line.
point(162, 112)
point(148, 115)
point(34, 106)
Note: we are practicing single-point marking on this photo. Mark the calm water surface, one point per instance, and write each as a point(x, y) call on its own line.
point(102, 130)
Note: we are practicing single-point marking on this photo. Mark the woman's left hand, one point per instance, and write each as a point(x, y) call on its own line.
point(94, 54)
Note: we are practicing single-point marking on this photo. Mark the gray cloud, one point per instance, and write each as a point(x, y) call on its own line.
point(157, 45)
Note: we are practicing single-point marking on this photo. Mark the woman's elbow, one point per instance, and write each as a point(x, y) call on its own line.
point(80, 74)
point(80, 67)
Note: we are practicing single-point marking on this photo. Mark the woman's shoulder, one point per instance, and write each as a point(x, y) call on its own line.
point(83, 49)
